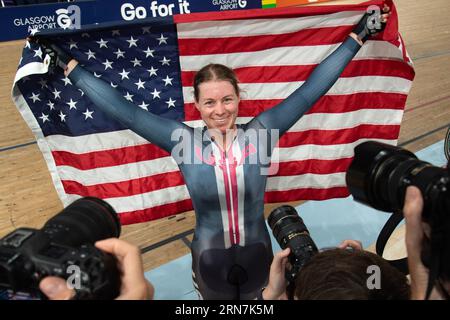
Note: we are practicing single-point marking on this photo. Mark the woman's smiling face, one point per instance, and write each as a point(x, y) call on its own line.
point(218, 104)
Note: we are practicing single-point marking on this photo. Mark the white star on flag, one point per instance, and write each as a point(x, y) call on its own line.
point(56, 93)
point(34, 31)
point(167, 81)
point(124, 74)
point(128, 96)
point(66, 81)
point(140, 84)
point(102, 43)
point(115, 33)
point(51, 105)
point(162, 39)
point(107, 64)
point(165, 61)
point(72, 104)
point(62, 116)
point(143, 105)
point(38, 53)
point(155, 94)
point(171, 103)
point(44, 117)
point(152, 71)
point(88, 114)
point(97, 75)
point(35, 97)
point(119, 54)
point(136, 62)
point(72, 44)
point(132, 42)
point(90, 54)
point(43, 83)
point(149, 52)
point(145, 30)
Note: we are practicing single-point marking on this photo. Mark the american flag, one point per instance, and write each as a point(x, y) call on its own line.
point(153, 63)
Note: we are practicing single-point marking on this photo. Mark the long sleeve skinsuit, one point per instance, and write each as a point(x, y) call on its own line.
point(231, 249)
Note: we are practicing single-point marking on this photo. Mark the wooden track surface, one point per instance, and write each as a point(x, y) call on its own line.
point(28, 198)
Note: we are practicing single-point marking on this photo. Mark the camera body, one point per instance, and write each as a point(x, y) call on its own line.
point(64, 248)
point(28, 255)
point(378, 177)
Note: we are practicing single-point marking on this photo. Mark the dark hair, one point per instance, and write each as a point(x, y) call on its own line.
point(343, 275)
point(215, 71)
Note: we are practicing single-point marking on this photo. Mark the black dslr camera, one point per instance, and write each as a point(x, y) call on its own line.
point(378, 177)
point(64, 247)
point(290, 232)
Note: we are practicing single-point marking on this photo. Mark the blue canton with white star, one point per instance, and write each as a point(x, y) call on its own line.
point(141, 61)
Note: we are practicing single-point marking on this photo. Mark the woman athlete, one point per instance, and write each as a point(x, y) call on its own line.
point(231, 249)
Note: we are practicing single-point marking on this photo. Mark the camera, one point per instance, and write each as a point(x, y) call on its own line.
point(290, 232)
point(378, 177)
point(64, 247)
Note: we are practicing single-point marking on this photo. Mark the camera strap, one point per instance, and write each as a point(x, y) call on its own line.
point(447, 145)
point(383, 237)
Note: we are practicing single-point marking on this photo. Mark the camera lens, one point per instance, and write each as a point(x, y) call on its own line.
point(377, 174)
point(285, 223)
point(86, 220)
point(290, 231)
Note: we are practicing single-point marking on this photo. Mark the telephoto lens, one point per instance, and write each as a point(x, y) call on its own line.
point(290, 232)
point(86, 220)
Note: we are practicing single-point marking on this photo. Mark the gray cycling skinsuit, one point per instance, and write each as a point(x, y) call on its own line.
point(231, 249)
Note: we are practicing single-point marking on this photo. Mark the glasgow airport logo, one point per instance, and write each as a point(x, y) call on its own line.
point(229, 4)
point(65, 18)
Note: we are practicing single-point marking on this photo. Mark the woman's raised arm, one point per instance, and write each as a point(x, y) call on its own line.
point(288, 112)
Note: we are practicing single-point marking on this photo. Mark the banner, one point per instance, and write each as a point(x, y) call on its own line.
point(17, 22)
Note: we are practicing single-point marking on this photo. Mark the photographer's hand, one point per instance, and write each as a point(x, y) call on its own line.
point(354, 244)
point(56, 288)
point(415, 229)
point(276, 287)
point(134, 285)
